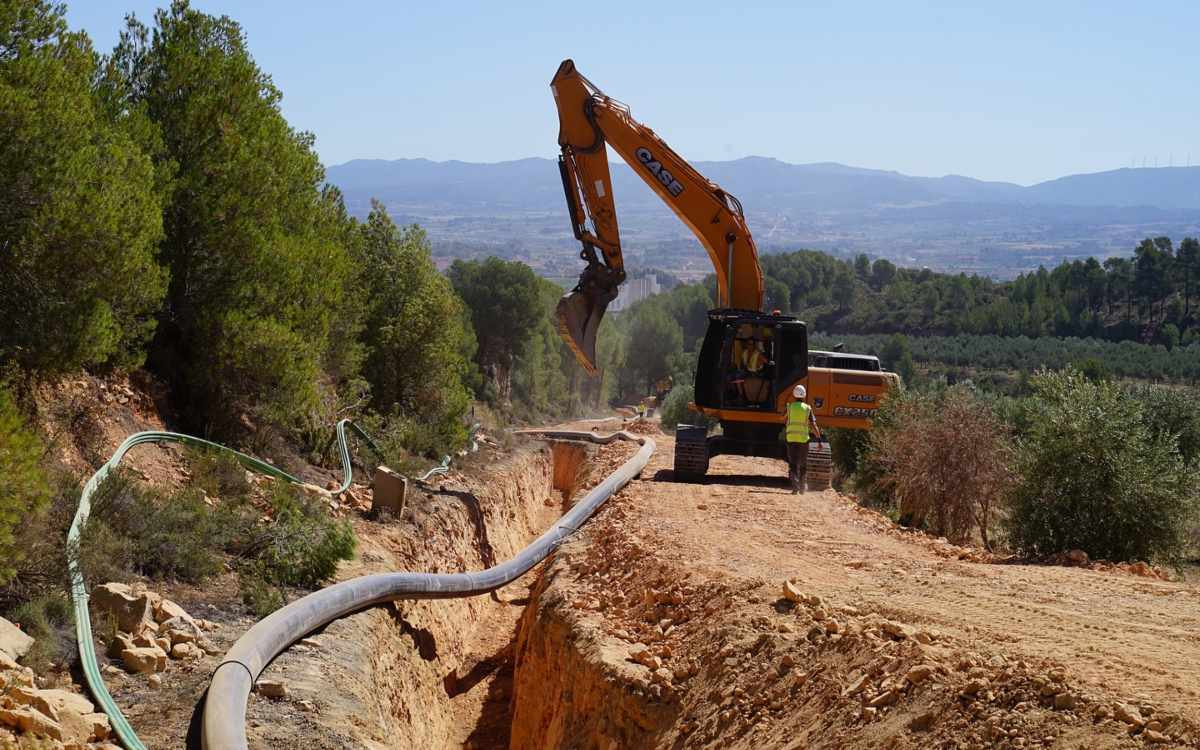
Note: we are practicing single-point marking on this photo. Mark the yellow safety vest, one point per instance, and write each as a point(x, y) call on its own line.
point(797, 423)
point(754, 359)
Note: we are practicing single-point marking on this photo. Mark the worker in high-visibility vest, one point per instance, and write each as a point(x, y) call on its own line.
point(801, 423)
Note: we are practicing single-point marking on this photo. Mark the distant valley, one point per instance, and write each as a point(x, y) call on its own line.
point(515, 209)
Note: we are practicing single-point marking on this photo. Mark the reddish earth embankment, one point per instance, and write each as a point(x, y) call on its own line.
point(430, 674)
point(666, 623)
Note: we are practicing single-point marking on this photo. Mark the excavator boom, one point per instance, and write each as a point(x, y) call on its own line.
point(588, 122)
point(749, 361)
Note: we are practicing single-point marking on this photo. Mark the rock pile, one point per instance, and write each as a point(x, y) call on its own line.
point(151, 629)
point(60, 717)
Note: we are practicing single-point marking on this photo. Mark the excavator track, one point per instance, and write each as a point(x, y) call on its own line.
point(691, 453)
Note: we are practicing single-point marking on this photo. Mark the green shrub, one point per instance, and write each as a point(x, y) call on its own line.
point(1095, 477)
point(134, 530)
point(302, 545)
point(848, 446)
point(49, 620)
point(869, 472)
point(218, 473)
point(161, 536)
point(259, 595)
point(946, 459)
point(24, 491)
point(675, 409)
point(1172, 412)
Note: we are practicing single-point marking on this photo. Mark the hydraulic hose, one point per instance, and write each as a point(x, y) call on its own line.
point(79, 595)
point(224, 721)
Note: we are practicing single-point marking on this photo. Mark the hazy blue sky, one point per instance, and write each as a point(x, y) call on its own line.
point(1019, 91)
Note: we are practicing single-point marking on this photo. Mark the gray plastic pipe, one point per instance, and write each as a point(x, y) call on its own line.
point(224, 721)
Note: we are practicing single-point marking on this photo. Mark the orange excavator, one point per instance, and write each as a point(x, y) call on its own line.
point(749, 360)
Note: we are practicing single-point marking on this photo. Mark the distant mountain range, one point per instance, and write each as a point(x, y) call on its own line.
point(951, 222)
point(763, 183)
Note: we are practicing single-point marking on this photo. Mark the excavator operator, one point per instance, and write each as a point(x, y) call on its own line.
point(750, 357)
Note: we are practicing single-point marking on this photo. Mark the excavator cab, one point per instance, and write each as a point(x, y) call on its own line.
point(749, 360)
point(749, 363)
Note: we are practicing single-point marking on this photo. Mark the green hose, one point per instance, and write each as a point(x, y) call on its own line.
point(79, 595)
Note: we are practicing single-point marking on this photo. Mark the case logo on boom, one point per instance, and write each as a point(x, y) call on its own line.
point(656, 168)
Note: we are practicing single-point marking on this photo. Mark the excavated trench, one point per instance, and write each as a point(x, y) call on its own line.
point(432, 673)
point(627, 637)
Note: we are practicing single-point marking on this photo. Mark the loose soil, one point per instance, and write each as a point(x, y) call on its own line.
point(665, 624)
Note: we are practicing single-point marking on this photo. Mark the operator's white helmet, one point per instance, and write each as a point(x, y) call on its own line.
point(799, 392)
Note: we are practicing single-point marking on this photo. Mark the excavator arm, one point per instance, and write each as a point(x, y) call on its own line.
point(588, 121)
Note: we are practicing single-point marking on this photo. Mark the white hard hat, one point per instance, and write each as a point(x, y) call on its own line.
point(799, 392)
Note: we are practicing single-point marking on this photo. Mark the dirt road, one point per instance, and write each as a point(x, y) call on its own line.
point(1114, 638)
point(1113, 630)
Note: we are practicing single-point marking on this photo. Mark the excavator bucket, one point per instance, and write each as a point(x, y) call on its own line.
point(579, 314)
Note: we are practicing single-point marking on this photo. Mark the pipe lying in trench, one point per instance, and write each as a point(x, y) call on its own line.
point(224, 722)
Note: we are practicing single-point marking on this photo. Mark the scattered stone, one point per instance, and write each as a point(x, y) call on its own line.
point(164, 644)
point(1155, 738)
point(791, 593)
point(132, 612)
point(185, 651)
point(1077, 557)
point(31, 698)
point(662, 676)
point(65, 700)
point(14, 642)
point(922, 722)
point(155, 681)
point(895, 630)
point(974, 686)
point(886, 698)
point(819, 614)
point(101, 728)
point(1128, 715)
point(832, 626)
point(180, 632)
point(29, 721)
point(271, 689)
point(919, 673)
point(855, 686)
point(169, 610)
point(1064, 701)
point(868, 713)
point(144, 660)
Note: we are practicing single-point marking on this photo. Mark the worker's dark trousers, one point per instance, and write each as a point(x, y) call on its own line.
point(797, 464)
